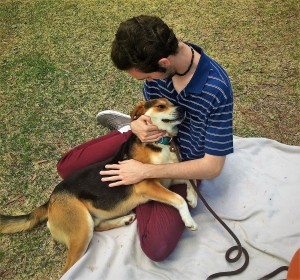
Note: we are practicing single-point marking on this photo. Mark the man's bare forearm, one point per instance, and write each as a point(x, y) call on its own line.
point(207, 167)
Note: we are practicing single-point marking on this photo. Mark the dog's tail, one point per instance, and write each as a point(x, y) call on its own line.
point(13, 224)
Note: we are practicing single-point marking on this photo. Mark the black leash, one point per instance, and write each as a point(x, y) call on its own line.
point(240, 249)
point(274, 273)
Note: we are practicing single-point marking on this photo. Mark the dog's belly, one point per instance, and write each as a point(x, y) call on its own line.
point(119, 209)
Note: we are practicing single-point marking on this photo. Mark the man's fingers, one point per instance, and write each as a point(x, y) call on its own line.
point(156, 131)
point(109, 172)
point(146, 119)
point(112, 166)
point(152, 137)
point(152, 129)
point(111, 178)
point(116, 184)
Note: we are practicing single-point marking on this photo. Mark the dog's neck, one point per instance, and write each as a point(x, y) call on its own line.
point(166, 140)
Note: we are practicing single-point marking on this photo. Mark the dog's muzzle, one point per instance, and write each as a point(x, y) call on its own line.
point(178, 116)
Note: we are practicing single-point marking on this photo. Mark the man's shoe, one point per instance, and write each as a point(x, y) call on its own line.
point(112, 119)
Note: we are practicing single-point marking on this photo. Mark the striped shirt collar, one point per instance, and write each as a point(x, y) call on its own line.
point(195, 85)
point(199, 78)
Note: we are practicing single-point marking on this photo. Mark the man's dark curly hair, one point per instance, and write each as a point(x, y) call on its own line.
point(141, 42)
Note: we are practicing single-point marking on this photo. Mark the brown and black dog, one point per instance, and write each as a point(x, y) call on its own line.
point(83, 203)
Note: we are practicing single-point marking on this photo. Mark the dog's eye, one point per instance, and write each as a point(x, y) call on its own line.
point(161, 106)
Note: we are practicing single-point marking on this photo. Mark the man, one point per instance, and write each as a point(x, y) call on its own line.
point(147, 49)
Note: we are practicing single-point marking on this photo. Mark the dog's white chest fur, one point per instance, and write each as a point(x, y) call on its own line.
point(164, 157)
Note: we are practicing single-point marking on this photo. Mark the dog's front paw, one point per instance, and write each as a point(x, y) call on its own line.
point(129, 219)
point(192, 225)
point(186, 216)
point(192, 197)
point(192, 201)
point(189, 221)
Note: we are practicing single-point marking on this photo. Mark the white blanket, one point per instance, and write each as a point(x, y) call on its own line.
point(257, 195)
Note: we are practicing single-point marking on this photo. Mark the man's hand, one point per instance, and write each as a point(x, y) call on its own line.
point(127, 172)
point(145, 130)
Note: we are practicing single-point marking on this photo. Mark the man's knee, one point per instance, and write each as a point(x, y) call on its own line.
point(158, 252)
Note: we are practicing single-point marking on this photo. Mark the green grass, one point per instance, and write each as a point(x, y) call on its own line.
point(56, 74)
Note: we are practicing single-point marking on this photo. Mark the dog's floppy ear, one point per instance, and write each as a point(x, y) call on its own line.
point(138, 111)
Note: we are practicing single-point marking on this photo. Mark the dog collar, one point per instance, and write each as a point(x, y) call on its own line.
point(166, 140)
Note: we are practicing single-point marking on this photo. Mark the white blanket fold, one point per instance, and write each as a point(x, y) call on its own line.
point(257, 195)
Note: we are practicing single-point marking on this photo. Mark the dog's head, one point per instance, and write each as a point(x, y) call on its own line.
point(162, 112)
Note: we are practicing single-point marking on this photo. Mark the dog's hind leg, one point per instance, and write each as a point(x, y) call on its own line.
point(70, 222)
point(117, 222)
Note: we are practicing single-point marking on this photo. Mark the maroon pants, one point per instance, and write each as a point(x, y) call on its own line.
point(159, 225)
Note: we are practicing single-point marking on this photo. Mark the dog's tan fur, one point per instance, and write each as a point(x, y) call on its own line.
point(72, 217)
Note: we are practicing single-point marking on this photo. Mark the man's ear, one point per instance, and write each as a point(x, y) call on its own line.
point(138, 111)
point(164, 62)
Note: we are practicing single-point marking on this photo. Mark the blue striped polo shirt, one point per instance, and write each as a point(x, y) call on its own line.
point(208, 104)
